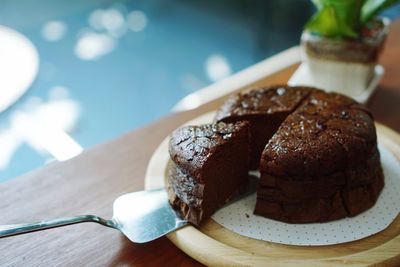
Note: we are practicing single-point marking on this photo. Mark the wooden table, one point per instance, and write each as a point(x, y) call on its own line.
point(89, 183)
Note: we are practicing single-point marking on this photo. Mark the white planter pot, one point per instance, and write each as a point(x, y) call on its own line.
point(344, 66)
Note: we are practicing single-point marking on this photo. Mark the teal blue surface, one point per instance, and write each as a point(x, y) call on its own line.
point(141, 79)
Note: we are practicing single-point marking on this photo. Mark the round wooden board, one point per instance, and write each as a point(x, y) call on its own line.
point(214, 245)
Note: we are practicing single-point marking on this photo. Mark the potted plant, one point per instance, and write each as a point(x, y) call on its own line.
point(341, 44)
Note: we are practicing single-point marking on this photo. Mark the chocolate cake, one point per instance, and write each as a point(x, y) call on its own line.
point(316, 152)
point(320, 162)
point(210, 166)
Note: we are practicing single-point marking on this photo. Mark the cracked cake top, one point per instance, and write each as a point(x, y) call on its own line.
point(191, 146)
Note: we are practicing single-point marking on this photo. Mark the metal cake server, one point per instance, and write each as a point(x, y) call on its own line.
point(141, 216)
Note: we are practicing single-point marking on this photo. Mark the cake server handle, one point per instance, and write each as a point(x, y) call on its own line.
point(17, 229)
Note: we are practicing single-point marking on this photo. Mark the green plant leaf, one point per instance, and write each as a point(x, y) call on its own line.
point(344, 18)
point(372, 7)
point(328, 22)
point(348, 12)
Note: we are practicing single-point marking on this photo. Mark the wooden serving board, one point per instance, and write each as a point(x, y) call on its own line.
point(215, 245)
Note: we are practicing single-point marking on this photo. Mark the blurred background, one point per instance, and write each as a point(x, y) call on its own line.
point(77, 73)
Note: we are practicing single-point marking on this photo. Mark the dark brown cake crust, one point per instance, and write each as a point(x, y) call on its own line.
point(325, 134)
point(210, 165)
point(331, 206)
point(190, 147)
point(189, 202)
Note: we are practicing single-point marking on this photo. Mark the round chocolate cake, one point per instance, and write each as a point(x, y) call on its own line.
point(316, 152)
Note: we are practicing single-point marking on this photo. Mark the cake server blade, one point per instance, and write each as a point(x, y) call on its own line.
point(151, 217)
point(141, 216)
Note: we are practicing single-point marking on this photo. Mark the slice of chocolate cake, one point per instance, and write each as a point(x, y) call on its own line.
point(210, 166)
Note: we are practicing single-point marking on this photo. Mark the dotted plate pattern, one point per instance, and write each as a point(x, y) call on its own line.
point(239, 218)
